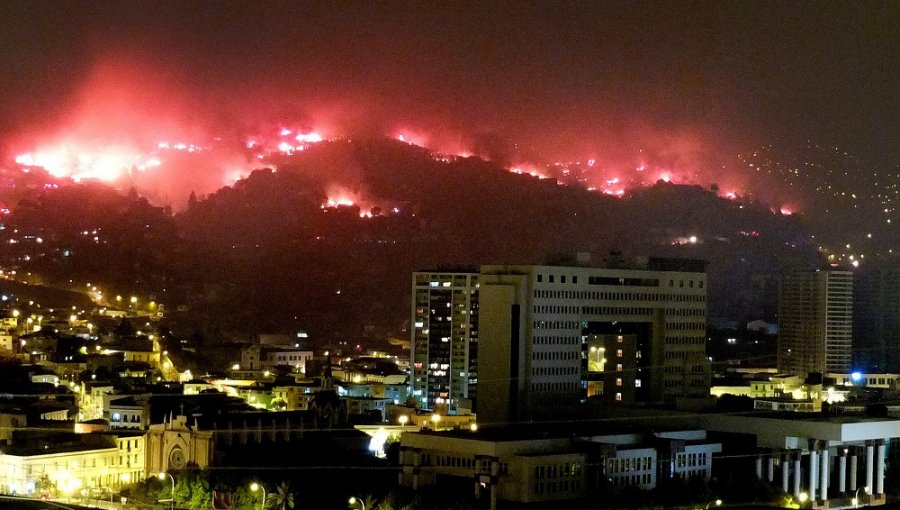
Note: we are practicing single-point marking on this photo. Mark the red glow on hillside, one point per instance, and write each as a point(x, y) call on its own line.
point(410, 138)
point(525, 169)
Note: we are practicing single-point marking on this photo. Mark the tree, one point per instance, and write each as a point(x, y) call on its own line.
point(125, 329)
point(282, 498)
point(45, 485)
point(201, 495)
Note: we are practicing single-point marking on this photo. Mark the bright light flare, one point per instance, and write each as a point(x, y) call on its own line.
point(311, 137)
point(76, 163)
point(339, 202)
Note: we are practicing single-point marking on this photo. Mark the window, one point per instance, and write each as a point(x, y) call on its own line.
point(540, 278)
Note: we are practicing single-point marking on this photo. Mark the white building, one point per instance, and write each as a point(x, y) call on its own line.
point(535, 323)
point(831, 460)
point(264, 357)
point(108, 463)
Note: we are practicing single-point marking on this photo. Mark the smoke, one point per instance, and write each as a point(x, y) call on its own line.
point(149, 126)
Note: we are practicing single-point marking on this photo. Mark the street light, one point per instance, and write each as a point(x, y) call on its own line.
point(258, 487)
point(717, 502)
point(403, 419)
point(354, 500)
point(804, 496)
point(435, 418)
point(162, 476)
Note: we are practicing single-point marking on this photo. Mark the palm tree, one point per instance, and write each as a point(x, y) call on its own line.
point(281, 499)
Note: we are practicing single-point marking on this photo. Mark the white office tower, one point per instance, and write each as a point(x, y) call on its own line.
point(551, 336)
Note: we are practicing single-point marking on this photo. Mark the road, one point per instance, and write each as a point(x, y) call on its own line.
point(12, 502)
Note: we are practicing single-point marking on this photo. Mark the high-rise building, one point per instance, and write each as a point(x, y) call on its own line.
point(645, 320)
point(815, 322)
point(444, 339)
point(876, 320)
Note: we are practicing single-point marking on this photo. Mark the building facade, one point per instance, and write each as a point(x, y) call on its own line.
point(444, 339)
point(876, 320)
point(815, 322)
point(547, 466)
point(264, 357)
point(538, 323)
point(108, 463)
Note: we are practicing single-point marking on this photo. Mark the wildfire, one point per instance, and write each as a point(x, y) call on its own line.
point(528, 170)
point(69, 161)
point(411, 139)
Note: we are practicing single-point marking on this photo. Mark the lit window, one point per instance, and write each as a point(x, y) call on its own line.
point(618, 397)
point(618, 382)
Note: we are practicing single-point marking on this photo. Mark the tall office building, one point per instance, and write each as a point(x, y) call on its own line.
point(444, 339)
point(815, 322)
point(553, 336)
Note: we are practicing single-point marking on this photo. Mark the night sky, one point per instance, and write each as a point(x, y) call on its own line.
point(559, 79)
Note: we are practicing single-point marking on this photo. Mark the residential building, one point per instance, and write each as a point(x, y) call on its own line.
point(538, 323)
point(876, 320)
point(815, 322)
point(444, 339)
point(265, 357)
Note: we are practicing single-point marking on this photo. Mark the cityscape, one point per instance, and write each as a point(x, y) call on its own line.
point(449, 256)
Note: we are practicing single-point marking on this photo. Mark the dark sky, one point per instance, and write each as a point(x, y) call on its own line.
point(564, 78)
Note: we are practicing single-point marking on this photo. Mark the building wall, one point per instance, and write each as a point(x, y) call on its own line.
point(444, 338)
point(126, 417)
point(552, 469)
point(556, 306)
point(173, 445)
point(815, 328)
point(72, 471)
point(266, 358)
point(635, 467)
point(295, 397)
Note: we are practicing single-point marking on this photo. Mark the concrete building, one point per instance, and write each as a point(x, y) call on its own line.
point(264, 357)
point(523, 465)
point(251, 440)
point(537, 324)
point(444, 339)
point(876, 320)
point(830, 460)
point(73, 462)
point(815, 322)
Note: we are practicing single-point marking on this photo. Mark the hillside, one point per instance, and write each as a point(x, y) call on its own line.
point(278, 252)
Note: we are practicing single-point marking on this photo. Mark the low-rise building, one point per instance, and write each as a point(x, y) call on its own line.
point(72, 462)
point(540, 465)
point(264, 357)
